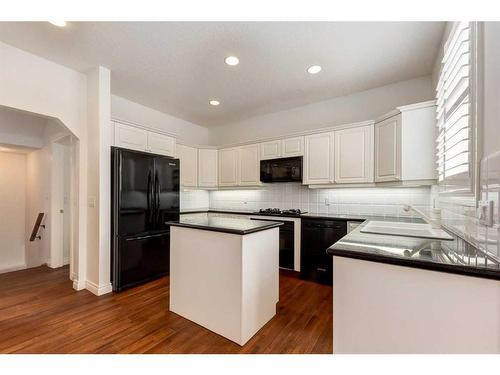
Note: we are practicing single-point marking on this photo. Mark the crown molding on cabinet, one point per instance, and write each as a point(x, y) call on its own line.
point(299, 134)
point(405, 108)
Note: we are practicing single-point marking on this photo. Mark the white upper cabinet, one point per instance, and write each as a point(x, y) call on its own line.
point(207, 167)
point(318, 158)
point(249, 165)
point(131, 137)
point(388, 149)
point(228, 167)
point(161, 144)
point(270, 150)
point(188, 165)
point(134, 138)
point(354, 155)
point(404, 144)
point(292, 147)
point(282, 148)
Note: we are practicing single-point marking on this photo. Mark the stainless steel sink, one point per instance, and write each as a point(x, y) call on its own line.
point(406, 229)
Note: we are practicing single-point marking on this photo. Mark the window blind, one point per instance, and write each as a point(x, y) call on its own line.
point(454, 142)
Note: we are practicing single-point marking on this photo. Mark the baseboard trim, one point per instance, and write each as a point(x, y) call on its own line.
point(17, 267)
point(79, 284)
point(98, 290)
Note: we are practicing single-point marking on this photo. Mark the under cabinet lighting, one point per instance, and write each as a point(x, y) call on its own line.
point(214, 102)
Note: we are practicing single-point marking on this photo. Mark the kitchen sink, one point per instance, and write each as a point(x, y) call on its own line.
point(406, 229)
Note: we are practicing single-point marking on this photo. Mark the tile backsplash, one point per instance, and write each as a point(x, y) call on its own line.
point(463, 219)
point(357, 201)
point(194, 200)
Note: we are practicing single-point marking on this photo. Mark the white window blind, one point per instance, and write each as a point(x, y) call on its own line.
point(454, 142)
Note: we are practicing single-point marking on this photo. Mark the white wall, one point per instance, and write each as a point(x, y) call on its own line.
point(184, 131)
point(366, 105)
point(13, 211)
point(20, 128)
point(33, 84)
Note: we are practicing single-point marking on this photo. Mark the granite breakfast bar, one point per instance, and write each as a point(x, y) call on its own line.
point(224, 274)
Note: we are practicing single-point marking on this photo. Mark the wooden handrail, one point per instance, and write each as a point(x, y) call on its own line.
point(38, 224)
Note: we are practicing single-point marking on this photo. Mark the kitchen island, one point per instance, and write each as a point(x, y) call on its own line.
point(224, 273)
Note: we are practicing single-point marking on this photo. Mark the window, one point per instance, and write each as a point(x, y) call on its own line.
point(456, 114)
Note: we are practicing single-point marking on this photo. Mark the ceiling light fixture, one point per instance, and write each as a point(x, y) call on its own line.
point(314, 69)
point(214, 102)
point(58, 23)
point(232, 60)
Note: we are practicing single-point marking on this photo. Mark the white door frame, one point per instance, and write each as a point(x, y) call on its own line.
point(57, 202)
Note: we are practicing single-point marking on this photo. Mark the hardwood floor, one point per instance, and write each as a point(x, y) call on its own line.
point(41, 313)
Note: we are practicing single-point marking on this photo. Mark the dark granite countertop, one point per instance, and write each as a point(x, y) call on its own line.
point(226, 225)
point(421, 253)
point(308, 215)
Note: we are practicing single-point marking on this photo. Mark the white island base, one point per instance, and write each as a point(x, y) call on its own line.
point(227, 283)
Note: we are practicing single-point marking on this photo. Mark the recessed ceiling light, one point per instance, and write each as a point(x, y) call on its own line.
point(214, 102)
point(232, 60)
point(58, 23)
point(314, 69)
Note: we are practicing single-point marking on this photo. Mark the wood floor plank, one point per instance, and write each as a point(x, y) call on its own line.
point(41, 313)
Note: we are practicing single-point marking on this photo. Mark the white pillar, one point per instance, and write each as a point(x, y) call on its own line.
point(98, 187)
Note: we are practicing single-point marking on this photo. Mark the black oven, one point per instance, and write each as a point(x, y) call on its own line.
point(287, 242)
point(281, 170)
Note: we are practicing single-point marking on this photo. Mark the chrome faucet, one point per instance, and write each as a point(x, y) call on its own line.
point(434, 220)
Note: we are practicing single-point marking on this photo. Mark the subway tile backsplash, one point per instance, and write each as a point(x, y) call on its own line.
point(361, 201)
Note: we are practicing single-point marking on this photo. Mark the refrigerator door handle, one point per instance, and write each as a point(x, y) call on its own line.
point(149, 198)
point(157, 197)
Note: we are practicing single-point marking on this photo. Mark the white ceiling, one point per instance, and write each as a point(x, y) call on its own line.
point(178, 67)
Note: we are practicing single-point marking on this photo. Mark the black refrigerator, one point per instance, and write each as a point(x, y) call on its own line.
point(145, 195)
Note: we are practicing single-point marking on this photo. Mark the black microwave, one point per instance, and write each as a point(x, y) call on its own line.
point(281, 170)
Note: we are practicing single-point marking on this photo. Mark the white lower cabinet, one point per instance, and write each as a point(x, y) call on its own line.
point(188, 165)
point(354, 155)
point(207, 168)
point(318, 159)
point(228, 167)
point(249, 165)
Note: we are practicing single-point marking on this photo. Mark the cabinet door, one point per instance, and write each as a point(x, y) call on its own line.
point(207, 168)
point(130, 137)
point(318, 165)
point(189, 165)
point(249, 165)
point(292, 147)
point(388, 149)
point(228, 167)
point(270, 150)
point(354, 155)
point(161, 144)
